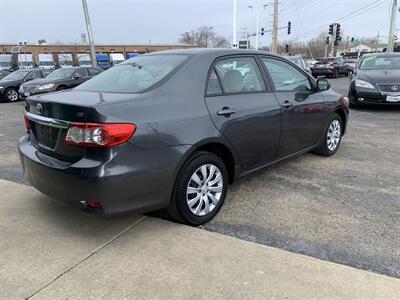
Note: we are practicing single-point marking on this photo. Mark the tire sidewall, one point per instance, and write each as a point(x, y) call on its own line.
point(181, 186)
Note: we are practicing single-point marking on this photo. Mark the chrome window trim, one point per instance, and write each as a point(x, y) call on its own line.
point(47, 121)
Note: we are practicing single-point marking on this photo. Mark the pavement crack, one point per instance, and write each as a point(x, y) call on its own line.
point(88, 256)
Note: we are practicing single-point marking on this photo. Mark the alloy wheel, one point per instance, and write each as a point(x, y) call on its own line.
point(204, 189)
point(333, 135)
point(12, 95)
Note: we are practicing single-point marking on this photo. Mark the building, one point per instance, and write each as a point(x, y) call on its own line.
point(74, 49)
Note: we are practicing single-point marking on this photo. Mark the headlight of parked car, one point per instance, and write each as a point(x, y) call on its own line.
point(364, 84)
point(1, 87)
point(46, 86)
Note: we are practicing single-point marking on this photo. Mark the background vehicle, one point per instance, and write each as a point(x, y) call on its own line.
point(84, 60)
point(103, 61)
point(65, 60)
point(299, 61)
point(132, 54)
point(25, 61)
point(188, 126)
point(331, 67)
point(3, 73)
point(5, 61)
point(351, 64)
point(10, 84)
point(116, 58)
point(61, 79)
point(46, 61)
point(376, 80)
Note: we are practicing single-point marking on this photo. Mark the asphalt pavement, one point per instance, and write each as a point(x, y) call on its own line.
point(343, 209)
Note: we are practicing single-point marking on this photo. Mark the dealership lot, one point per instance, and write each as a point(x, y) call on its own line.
point(343, 209)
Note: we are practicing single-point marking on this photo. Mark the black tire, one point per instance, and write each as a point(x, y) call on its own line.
point(8, 92)
point(61, 88)
point(323, 149)
point(179, 208)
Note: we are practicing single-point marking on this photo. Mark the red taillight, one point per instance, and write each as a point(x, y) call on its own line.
point(94, 204)
point(99, 135)
point(27, 125)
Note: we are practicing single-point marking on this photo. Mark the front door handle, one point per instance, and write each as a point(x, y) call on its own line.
point(226, 111)
point(287, 104)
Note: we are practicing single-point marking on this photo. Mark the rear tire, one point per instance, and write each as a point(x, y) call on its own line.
point(332, 137)
point(11, 95)
point(61, 88)
point(197, 198)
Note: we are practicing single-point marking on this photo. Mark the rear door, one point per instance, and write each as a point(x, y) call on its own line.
point(303, 110)
point(83, 76)
point(244, 109)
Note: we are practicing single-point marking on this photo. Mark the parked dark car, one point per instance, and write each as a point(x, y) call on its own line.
point(170, 130)
point(330, 67)
point(376, 80)
point(61, 79)
point(10, 84)
point(299, 61)
point(4, 73)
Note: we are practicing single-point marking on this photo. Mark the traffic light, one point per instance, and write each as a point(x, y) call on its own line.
point(352, 39)
point(262, 30)
point(331, 29)
point(337, 31)
point(327, 40)
point(289, 27)
point(287, 48)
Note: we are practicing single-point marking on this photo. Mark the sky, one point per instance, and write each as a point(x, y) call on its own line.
point(162, 21)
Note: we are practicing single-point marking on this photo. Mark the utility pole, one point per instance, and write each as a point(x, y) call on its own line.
point(392, 26)
point(234, 33)
point(377, 41)
point(90, 34)
point(258, 9)
point(275, 28)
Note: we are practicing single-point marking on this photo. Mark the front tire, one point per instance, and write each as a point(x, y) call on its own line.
point(11, 95)
point(332, 137)
point(200, 189)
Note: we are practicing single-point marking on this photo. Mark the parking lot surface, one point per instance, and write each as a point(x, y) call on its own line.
point(343, 209)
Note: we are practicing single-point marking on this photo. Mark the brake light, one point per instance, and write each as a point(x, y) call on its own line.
point(27, 125)
point(99, 135)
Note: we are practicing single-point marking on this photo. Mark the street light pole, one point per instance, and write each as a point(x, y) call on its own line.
point(234, 33)
point(90, 34)
point(257, 20)
point(392, 26)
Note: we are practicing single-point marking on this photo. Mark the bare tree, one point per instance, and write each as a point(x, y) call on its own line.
point(204, 36)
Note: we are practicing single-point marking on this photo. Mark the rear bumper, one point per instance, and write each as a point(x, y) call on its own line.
point(322, 71)
point(130, 179)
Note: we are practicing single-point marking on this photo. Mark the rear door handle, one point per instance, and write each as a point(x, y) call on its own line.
point(226, 111)
point(287, 104)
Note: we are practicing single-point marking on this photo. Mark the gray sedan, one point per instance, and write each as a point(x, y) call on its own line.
point(171, 130)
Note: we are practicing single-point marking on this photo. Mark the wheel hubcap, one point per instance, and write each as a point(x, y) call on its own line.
point(334, 132)
point(12, 95)
point(204, 190)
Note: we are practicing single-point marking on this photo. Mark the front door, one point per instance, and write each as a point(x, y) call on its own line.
point(244, 111)
point(303, 113)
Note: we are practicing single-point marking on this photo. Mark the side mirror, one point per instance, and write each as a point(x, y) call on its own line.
point(77, 76)
point(323, 85)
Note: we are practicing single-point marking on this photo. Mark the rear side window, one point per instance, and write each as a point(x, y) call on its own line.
point(240, 75)
point(134, 75)
point(213, 86)
point(285, 77)
point(93, 71)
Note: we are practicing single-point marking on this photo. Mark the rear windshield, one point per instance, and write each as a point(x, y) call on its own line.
point(380, 63)
point(134, 75)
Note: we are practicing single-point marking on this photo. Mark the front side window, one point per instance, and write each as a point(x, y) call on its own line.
point(93, 71)
point(134, 75)
point(286, 77)
point(61, 74)
point(240, 75)
point(81, 73)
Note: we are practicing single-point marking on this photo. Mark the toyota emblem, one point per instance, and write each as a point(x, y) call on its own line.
point(39, 108)
point(394, 88)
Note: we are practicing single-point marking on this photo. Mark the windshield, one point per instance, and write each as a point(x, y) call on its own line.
point(134, 75)
point(380, 62)
point(61, 74)
point(17, 75)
